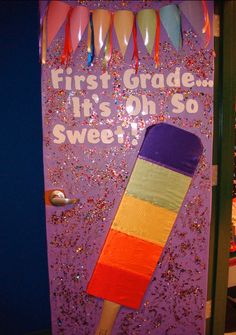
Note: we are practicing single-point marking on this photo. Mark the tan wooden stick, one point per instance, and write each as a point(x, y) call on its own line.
point(108, 317)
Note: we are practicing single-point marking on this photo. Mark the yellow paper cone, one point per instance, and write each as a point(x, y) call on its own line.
point(123, 24)
point(146, 20)
point(101, 24)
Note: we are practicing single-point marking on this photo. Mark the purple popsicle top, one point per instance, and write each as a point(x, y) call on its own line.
point(172, 147)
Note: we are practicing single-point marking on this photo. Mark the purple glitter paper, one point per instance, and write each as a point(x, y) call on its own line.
point(90, 154)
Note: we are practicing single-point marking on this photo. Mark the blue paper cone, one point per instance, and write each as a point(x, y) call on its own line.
point(170, 19)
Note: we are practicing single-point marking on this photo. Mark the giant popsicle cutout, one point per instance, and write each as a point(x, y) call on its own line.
point(155, 192)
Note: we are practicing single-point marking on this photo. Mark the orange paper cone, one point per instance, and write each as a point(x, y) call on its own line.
point(101, 24)
point(123, 24)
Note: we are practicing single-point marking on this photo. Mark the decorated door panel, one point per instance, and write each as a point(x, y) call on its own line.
point(127, 134)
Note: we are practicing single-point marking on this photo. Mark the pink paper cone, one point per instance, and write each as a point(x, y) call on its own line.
point(57, 12)
point(78, 24)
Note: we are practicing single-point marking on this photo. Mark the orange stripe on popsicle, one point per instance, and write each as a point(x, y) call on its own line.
point(130, 253)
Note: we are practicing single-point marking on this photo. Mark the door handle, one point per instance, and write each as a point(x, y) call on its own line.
point(58, 198)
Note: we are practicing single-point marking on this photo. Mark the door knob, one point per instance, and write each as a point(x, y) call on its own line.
point(58, 198)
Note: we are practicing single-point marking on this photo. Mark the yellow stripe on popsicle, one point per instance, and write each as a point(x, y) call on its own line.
point(144, 220)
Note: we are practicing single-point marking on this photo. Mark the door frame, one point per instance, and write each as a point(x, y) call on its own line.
point(223, 153)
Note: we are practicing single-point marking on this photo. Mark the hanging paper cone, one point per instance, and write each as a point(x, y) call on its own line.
point(44, 41)
point(57, 13)
point(135, 53)
point(67, 50)
point(43, 5)
point(170, 19)
point(43, 8)
point(108, 46)
point(157, 39)
point(193, 12)
point(207, 26)
point(123, 25)
point(78, 23)
point(101, 23)
point(146, 19)
point(90, 42)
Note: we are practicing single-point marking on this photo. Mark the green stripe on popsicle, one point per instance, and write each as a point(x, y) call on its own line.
point(158, 185)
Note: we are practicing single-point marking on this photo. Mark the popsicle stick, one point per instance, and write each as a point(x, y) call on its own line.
point(108, 317)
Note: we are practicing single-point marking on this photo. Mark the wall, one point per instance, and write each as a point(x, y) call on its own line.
point(24, 302)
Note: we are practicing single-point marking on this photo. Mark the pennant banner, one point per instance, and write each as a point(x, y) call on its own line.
point(127, 109)
point(148, 23)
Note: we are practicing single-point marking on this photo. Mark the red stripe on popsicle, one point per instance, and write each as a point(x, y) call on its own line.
point(130, 269)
